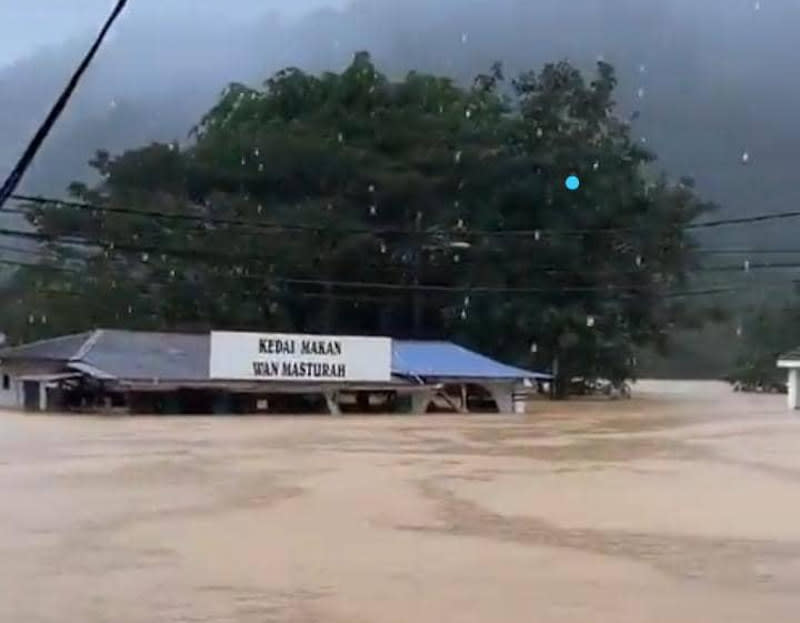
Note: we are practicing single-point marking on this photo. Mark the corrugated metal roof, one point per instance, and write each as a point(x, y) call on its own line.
point(792, 355)
point(148, 356)
point(57, 348)
point(448, 360)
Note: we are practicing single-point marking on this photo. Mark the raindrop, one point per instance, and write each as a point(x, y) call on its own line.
point(31, 319)
point(642, 69)
point(757, 6)
point(747, 266)
point(172, 272)
point(596, 165)
point(739, 331)
point(130, 309)
point(372, 188)
point(256, 152)
point(260, 166)
point(639, 260)
point(539, 133)
point(537, 235)
point(640, 93)
point(460, 224)
point(373, 210)
point(463, 314)
point(458, 156)
point(464, 37)
point(330, 206)
point(456, 258)
point(244, 162)
point(383, 247)
point(112, 104)
point(340, 137)
point(590, 321)
point(534, 347)
point(466, 301)
point(745, 158)
point(43, 319)
point(145, 257)
point(468, 113)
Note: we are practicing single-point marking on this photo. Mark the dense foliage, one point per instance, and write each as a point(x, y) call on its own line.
point(352, 203)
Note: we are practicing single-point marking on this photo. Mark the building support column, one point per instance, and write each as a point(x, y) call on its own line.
point(502, 394)
point(420, 401)
point(42, 396)
point(331, 398)
point(793, 396)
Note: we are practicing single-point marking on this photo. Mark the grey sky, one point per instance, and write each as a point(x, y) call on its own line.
point(26, 25)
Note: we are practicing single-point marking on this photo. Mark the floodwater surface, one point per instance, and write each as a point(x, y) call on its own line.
point(680, 505)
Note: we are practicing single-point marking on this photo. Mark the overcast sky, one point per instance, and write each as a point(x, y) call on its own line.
point(26, 25)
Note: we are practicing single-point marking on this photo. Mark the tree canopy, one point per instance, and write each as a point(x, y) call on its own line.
point(352, 203)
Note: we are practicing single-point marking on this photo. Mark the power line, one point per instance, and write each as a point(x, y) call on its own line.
point(206, 255)
point(299, 227)
point(465, 290)
point(273, 225)
point(370, 285)
point(743, 220)
point(14, 178)
point(744, 252)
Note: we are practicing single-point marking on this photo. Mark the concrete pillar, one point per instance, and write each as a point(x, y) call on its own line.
point(464, 408)
point(42, 396)
point(794, 391)
point(420, 401)
point(519, 397)
point(331, 398)
point(502, 394)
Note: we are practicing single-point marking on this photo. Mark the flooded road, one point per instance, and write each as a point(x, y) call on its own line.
point(680, 505)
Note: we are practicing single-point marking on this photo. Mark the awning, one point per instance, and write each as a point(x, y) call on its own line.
point(48, 378)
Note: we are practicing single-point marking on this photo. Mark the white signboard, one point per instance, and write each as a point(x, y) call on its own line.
point(302, 358)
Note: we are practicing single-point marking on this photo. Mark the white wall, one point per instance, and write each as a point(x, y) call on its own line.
point(10, 398)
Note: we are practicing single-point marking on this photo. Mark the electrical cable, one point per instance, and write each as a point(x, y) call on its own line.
point(82, 205)
point(14, 178)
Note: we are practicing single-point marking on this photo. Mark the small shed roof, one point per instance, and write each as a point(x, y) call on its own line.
point(55, 349)
point(790, 359)
point(451, 361)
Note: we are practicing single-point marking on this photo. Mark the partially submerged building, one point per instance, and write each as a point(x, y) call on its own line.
point(791, 363)
point(225, 372)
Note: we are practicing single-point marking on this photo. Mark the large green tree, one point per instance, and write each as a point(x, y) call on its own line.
point(352, 203)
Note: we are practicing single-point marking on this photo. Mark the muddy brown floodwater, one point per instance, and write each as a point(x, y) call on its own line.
point(681, 505)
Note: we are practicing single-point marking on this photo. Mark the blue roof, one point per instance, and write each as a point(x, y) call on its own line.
point(448, 360)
